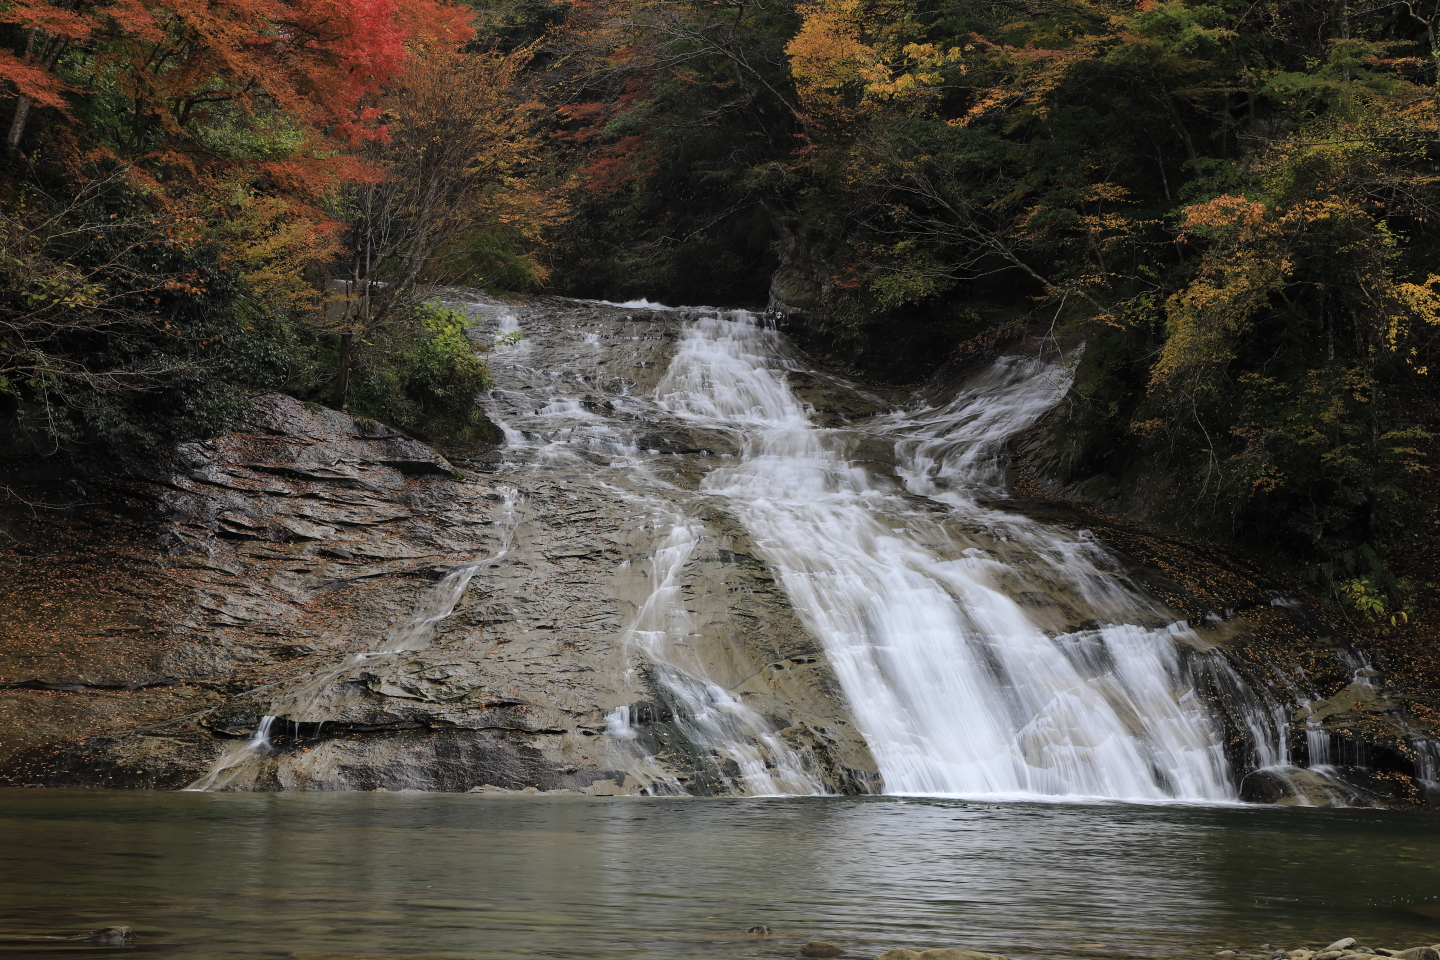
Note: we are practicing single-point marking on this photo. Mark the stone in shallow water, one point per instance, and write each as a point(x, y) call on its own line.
point(110, 936)
point(948, 953)
point(820, 948)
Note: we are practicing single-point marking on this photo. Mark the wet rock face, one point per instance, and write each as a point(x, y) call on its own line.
point(293, 565)
point(573, 610)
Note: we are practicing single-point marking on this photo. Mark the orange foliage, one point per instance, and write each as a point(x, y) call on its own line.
point(291, 72)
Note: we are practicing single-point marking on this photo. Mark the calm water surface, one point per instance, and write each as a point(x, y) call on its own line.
point(394, 875)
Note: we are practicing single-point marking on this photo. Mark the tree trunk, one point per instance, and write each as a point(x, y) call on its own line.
point(49, 56)
point(17, 127)
point(342, 387)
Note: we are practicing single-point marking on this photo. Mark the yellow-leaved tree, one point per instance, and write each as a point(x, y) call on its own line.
point(463, 190)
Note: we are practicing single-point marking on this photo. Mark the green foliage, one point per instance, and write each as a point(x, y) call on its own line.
point(1356, 581)
point(119, 327)
point(420, 371)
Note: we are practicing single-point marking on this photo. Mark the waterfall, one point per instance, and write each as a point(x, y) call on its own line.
point(752, 759)
point(982, 653)
point(810, 604)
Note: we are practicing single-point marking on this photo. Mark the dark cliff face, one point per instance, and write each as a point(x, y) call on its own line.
point(801, 282)
point(413, 623)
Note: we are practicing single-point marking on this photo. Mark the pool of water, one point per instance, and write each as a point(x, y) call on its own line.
point(426, 875)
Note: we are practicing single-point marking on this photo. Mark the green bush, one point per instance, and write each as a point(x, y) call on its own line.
point(420, 371)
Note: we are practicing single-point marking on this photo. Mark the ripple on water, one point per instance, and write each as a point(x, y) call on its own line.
point(386, 875)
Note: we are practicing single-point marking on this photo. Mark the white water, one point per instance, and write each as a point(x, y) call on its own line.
point(705, 713)
point(959, 685)
point(981, 652)
point(739, 749)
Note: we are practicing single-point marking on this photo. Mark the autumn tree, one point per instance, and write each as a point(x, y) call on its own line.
point(198, 87)
point(238, 121)
point(462, 162)
point(681, 119)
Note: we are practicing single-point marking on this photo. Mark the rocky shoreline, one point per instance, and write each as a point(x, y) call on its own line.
point(1347, 948)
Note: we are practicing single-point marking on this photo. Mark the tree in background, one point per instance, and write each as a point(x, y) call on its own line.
point(463, 193)
point(226, 129)
point(190, 87)
point(1232, 205)
point(680, 118)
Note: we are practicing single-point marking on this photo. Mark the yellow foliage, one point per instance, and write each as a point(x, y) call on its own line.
point(272, 241)
point(847, 56)
point(828, 58)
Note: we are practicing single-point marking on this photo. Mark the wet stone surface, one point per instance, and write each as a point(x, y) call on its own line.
point(575, 610)
point(304, 539)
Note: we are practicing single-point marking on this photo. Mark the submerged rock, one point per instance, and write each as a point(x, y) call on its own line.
point(821, 948)
point(111, 936)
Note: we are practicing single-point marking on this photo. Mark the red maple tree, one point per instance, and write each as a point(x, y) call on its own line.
point(278, 86)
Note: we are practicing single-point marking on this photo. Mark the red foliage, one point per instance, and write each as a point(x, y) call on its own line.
point(614, 163)
point(313, 63)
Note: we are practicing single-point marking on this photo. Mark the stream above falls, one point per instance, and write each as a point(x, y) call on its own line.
point(379, 875)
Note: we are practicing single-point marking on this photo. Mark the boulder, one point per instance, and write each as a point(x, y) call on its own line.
point(820, 948)
point(1340, 945)
point(1418, 953)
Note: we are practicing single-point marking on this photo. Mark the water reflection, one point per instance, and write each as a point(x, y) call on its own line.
point(313, 875)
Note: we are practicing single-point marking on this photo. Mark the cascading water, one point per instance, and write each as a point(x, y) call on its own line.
point(713, 720)
point(933, 608)
point(806, 603)
point(738, 750)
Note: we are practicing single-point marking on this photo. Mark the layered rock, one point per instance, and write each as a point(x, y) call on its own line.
point(409, 622)
point(273, 569)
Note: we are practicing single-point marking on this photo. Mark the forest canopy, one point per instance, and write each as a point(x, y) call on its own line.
point(1230, 204)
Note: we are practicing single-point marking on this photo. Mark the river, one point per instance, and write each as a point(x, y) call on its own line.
point(219, 875)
